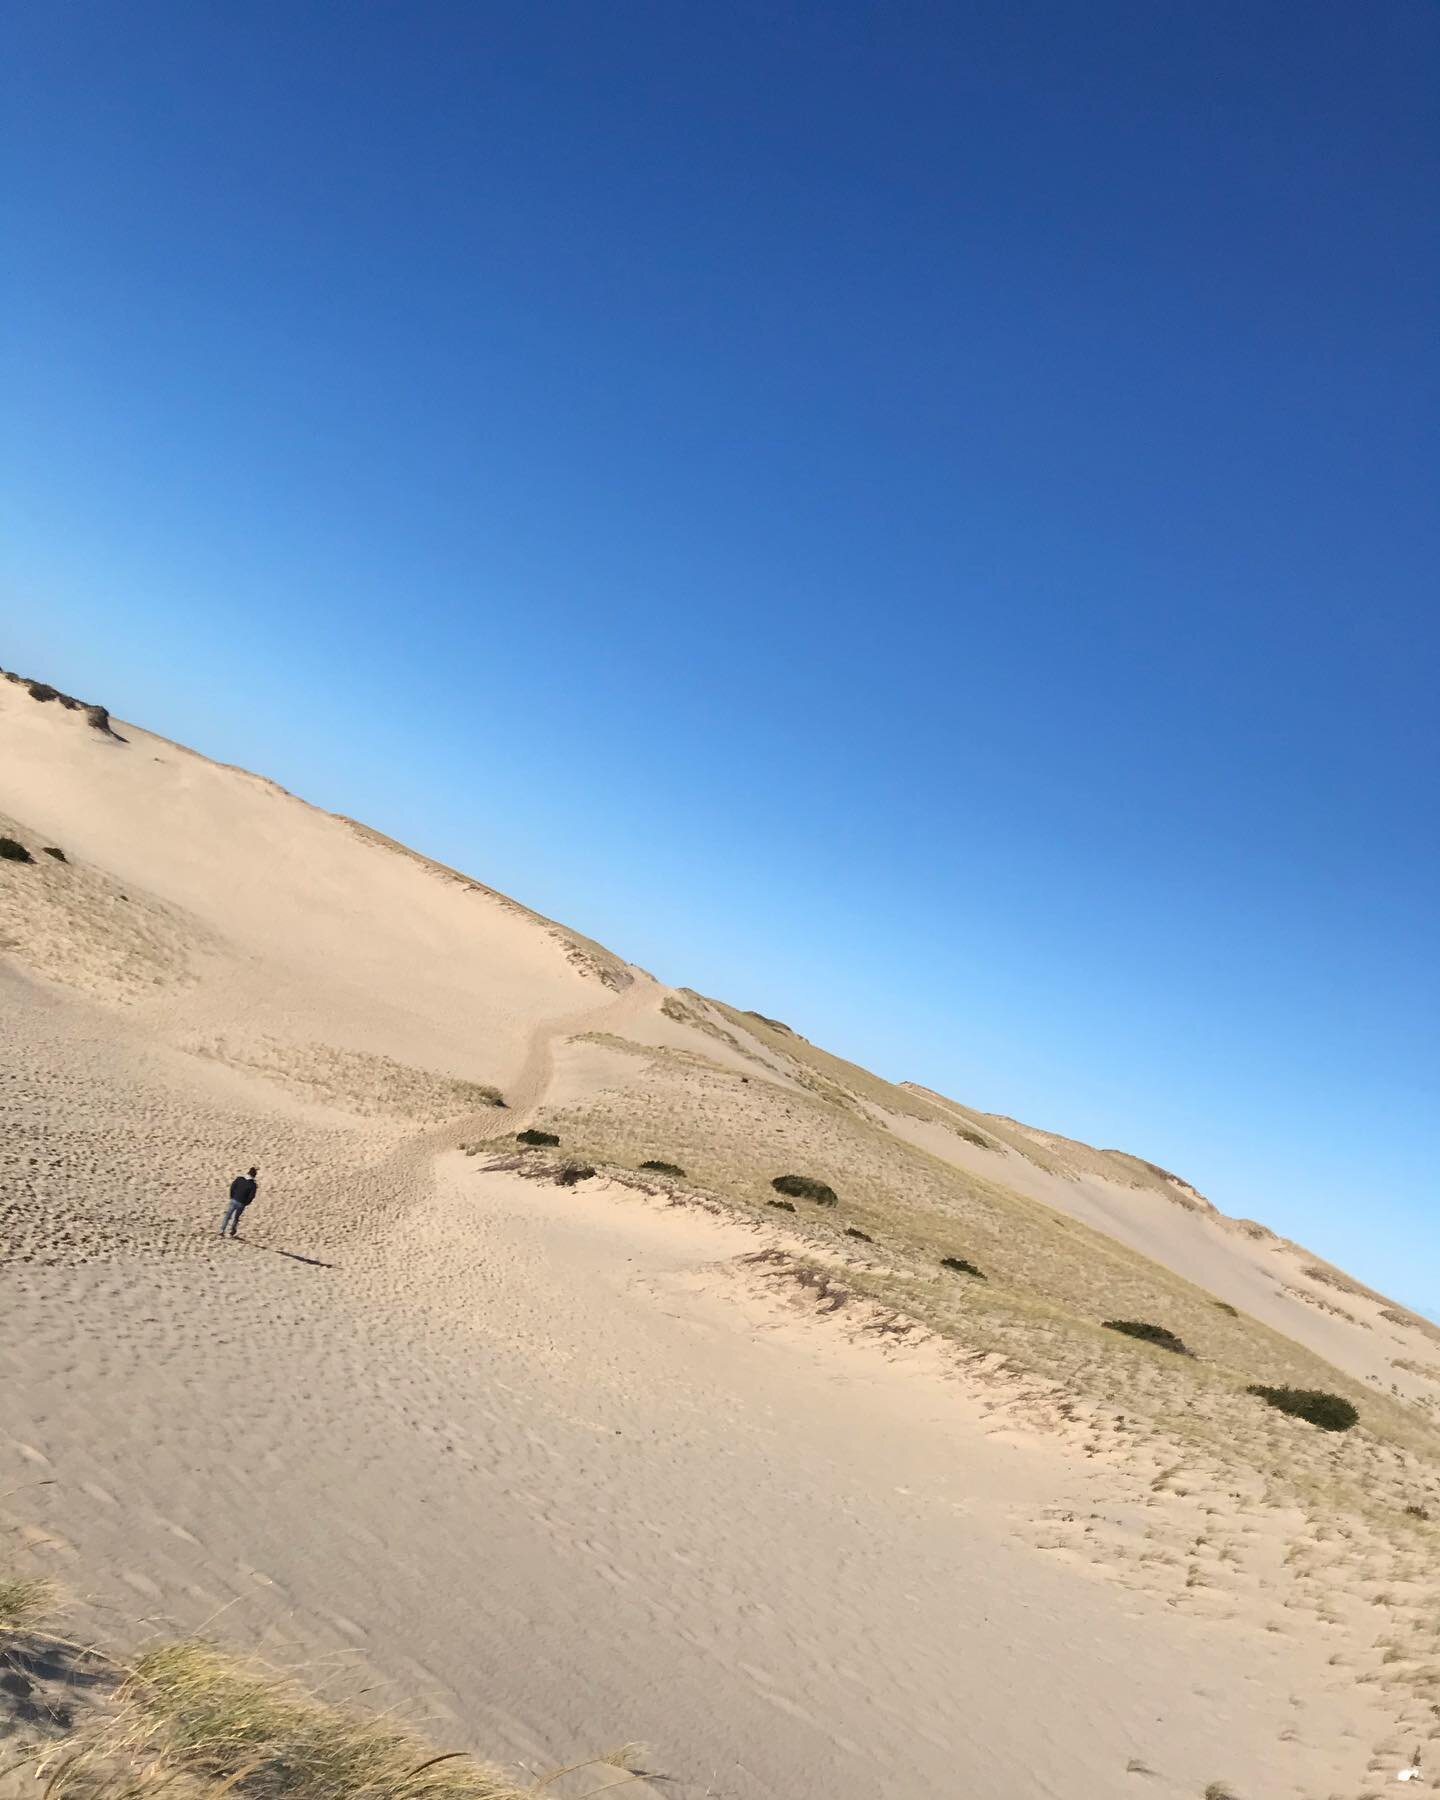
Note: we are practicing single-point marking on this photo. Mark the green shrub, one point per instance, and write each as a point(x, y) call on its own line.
point(962, 1267)
point(1329, 1411)
point(782, 1205)
point(664, 1168)
point(11, 851)
point(1149, 1334)
point(536, 1137)
point(805, 1187)
point(55, 851)
point(855, 1232)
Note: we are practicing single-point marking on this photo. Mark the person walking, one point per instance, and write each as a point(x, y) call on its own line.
point(242, 1192)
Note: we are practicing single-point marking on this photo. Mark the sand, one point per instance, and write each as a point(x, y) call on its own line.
point(562, 1467)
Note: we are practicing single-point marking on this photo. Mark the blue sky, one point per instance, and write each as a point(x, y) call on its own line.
point(916, 518)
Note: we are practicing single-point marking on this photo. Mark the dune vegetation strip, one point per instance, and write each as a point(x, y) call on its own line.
point(1173, 1369)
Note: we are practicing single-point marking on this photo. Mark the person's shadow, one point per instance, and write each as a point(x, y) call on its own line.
point(314, 1262)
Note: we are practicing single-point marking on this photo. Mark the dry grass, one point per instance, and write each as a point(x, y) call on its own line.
point(24, 1601)
point(190, 1708)
point(189, 1719)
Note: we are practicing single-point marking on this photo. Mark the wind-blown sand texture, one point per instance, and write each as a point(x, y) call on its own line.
point(642, 1457)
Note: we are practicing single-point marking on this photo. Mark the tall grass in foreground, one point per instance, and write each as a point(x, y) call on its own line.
point(191, 1707)
point(188, 1719)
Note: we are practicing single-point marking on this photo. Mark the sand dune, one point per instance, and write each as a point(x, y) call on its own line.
point(643, 1457)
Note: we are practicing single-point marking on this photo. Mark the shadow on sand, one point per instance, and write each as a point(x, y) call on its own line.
point(294, 1255)
point(43, 1680)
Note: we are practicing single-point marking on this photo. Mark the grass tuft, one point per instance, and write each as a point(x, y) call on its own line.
point(855, 1232)
point(536, 1137)
point(1159, 1335)
point(207, 1715)
point(664, 1168)
point(805, 1187)
point(24, 1601)
point(1330, 1412)
point(782, 1205)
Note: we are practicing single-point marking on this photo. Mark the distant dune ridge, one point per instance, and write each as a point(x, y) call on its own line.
point(521, 1396)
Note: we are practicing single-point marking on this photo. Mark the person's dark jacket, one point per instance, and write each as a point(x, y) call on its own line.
point(242, 1189)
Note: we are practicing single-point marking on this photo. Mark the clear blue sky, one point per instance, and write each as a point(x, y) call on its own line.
point(917, 518)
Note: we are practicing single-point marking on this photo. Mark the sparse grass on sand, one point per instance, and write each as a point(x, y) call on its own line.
point(24, 1600)
point(1034, 1326)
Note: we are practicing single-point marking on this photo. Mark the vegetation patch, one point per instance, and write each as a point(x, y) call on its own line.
point(11, 850)
point(782, 1205)
point(663, 1168)
point(805, 1187)
point(1331, 1412)
point(961, 1266)
point(55, 851)
point(571, 1173)
point(1226, 1307)
point(533, 1137)
point(24, 1600)
point(261, 1735)
point(855, 1232)
point(973, 1137)
point(1159, 1335)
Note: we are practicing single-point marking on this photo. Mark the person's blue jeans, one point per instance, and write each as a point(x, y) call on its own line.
point(233, 1214)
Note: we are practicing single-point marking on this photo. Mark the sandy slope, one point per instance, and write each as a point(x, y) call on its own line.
point(569, 1464)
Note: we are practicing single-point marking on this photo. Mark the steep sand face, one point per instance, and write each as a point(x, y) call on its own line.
point(638, 1457)
point(281, 912)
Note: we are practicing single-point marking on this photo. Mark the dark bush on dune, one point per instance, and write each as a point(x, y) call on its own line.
point(1329, 1411)
point(804, 1187)
point(55, 851)
point(42, 690)
point(1226, 1307)
point(11, 851)
point(782, 1205)
point(536, 1137)
point(1149, 1334)
point(962, 1267)
point(855, 1232)
point(664, 1168)
point(571, 1173)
